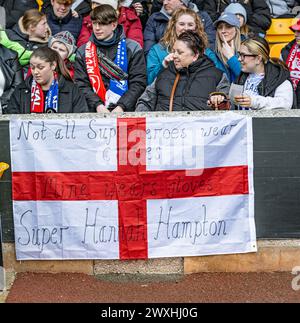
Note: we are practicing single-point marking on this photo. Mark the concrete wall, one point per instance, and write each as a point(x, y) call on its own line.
point(277, 206)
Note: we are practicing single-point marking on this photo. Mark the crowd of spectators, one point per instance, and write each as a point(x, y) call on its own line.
point(140, 55)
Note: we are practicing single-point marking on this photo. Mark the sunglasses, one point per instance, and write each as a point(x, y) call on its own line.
point(243, 55)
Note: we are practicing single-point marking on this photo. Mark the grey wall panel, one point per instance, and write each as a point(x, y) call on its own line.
point(276, 144)
point(5, 186)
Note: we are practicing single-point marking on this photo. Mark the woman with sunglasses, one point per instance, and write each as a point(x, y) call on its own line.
point(266, 80)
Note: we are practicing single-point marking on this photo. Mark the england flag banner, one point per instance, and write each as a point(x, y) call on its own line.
point(132, 188)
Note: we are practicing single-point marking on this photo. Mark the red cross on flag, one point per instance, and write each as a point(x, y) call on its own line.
point(132, 188)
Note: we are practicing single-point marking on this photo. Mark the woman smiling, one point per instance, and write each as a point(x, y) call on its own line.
point(183, 19)
point(266, 80)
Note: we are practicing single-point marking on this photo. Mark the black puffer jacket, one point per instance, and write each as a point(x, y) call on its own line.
point(258, 13)
point(70, 100)
point(195, 84)
point(12, 72)
point(15, 9)
point(136, 72)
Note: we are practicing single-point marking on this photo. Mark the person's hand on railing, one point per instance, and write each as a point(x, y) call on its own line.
point(218, 101)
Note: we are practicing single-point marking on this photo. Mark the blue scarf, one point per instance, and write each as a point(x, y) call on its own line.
point(120, 87)
point(51, 104)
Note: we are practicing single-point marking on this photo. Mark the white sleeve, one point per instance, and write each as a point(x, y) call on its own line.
point(283, 98)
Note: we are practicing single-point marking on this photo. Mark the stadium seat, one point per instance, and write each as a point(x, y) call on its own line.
point(40, 3)
point(276, 50)
point(279, 31)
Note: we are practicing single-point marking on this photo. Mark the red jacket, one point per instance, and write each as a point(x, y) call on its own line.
point(127, 18)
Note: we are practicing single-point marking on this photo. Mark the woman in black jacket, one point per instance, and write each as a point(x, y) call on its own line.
point(49, 89)
point(258, 13)
point(188, 81)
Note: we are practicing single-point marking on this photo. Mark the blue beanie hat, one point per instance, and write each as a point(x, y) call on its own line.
point(229, 18)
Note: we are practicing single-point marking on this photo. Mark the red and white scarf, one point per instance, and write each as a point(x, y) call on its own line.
point(91, 60)
point(293, 62)
point(38, 102)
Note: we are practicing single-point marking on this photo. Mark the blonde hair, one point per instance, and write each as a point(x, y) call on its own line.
point(219, 42)
point(259, 46)
point(170, 36)
point(31, 18)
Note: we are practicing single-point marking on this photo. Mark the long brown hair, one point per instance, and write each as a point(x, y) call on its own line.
point(49, 55)
point(170, 36)
point(104, 14)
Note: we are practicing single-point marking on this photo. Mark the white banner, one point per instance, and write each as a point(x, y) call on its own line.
point(132, 188)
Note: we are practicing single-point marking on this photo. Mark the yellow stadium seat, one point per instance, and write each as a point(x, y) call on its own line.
point(276, 50)
point(279, 31)
point(40, 3)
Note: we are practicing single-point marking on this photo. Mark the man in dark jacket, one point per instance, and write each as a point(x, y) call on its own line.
point(15, 9)
point(258, 13)
point(60, 18)
point(110, 69)
point(158, 21)
point(195, 85)
point(82, 7)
